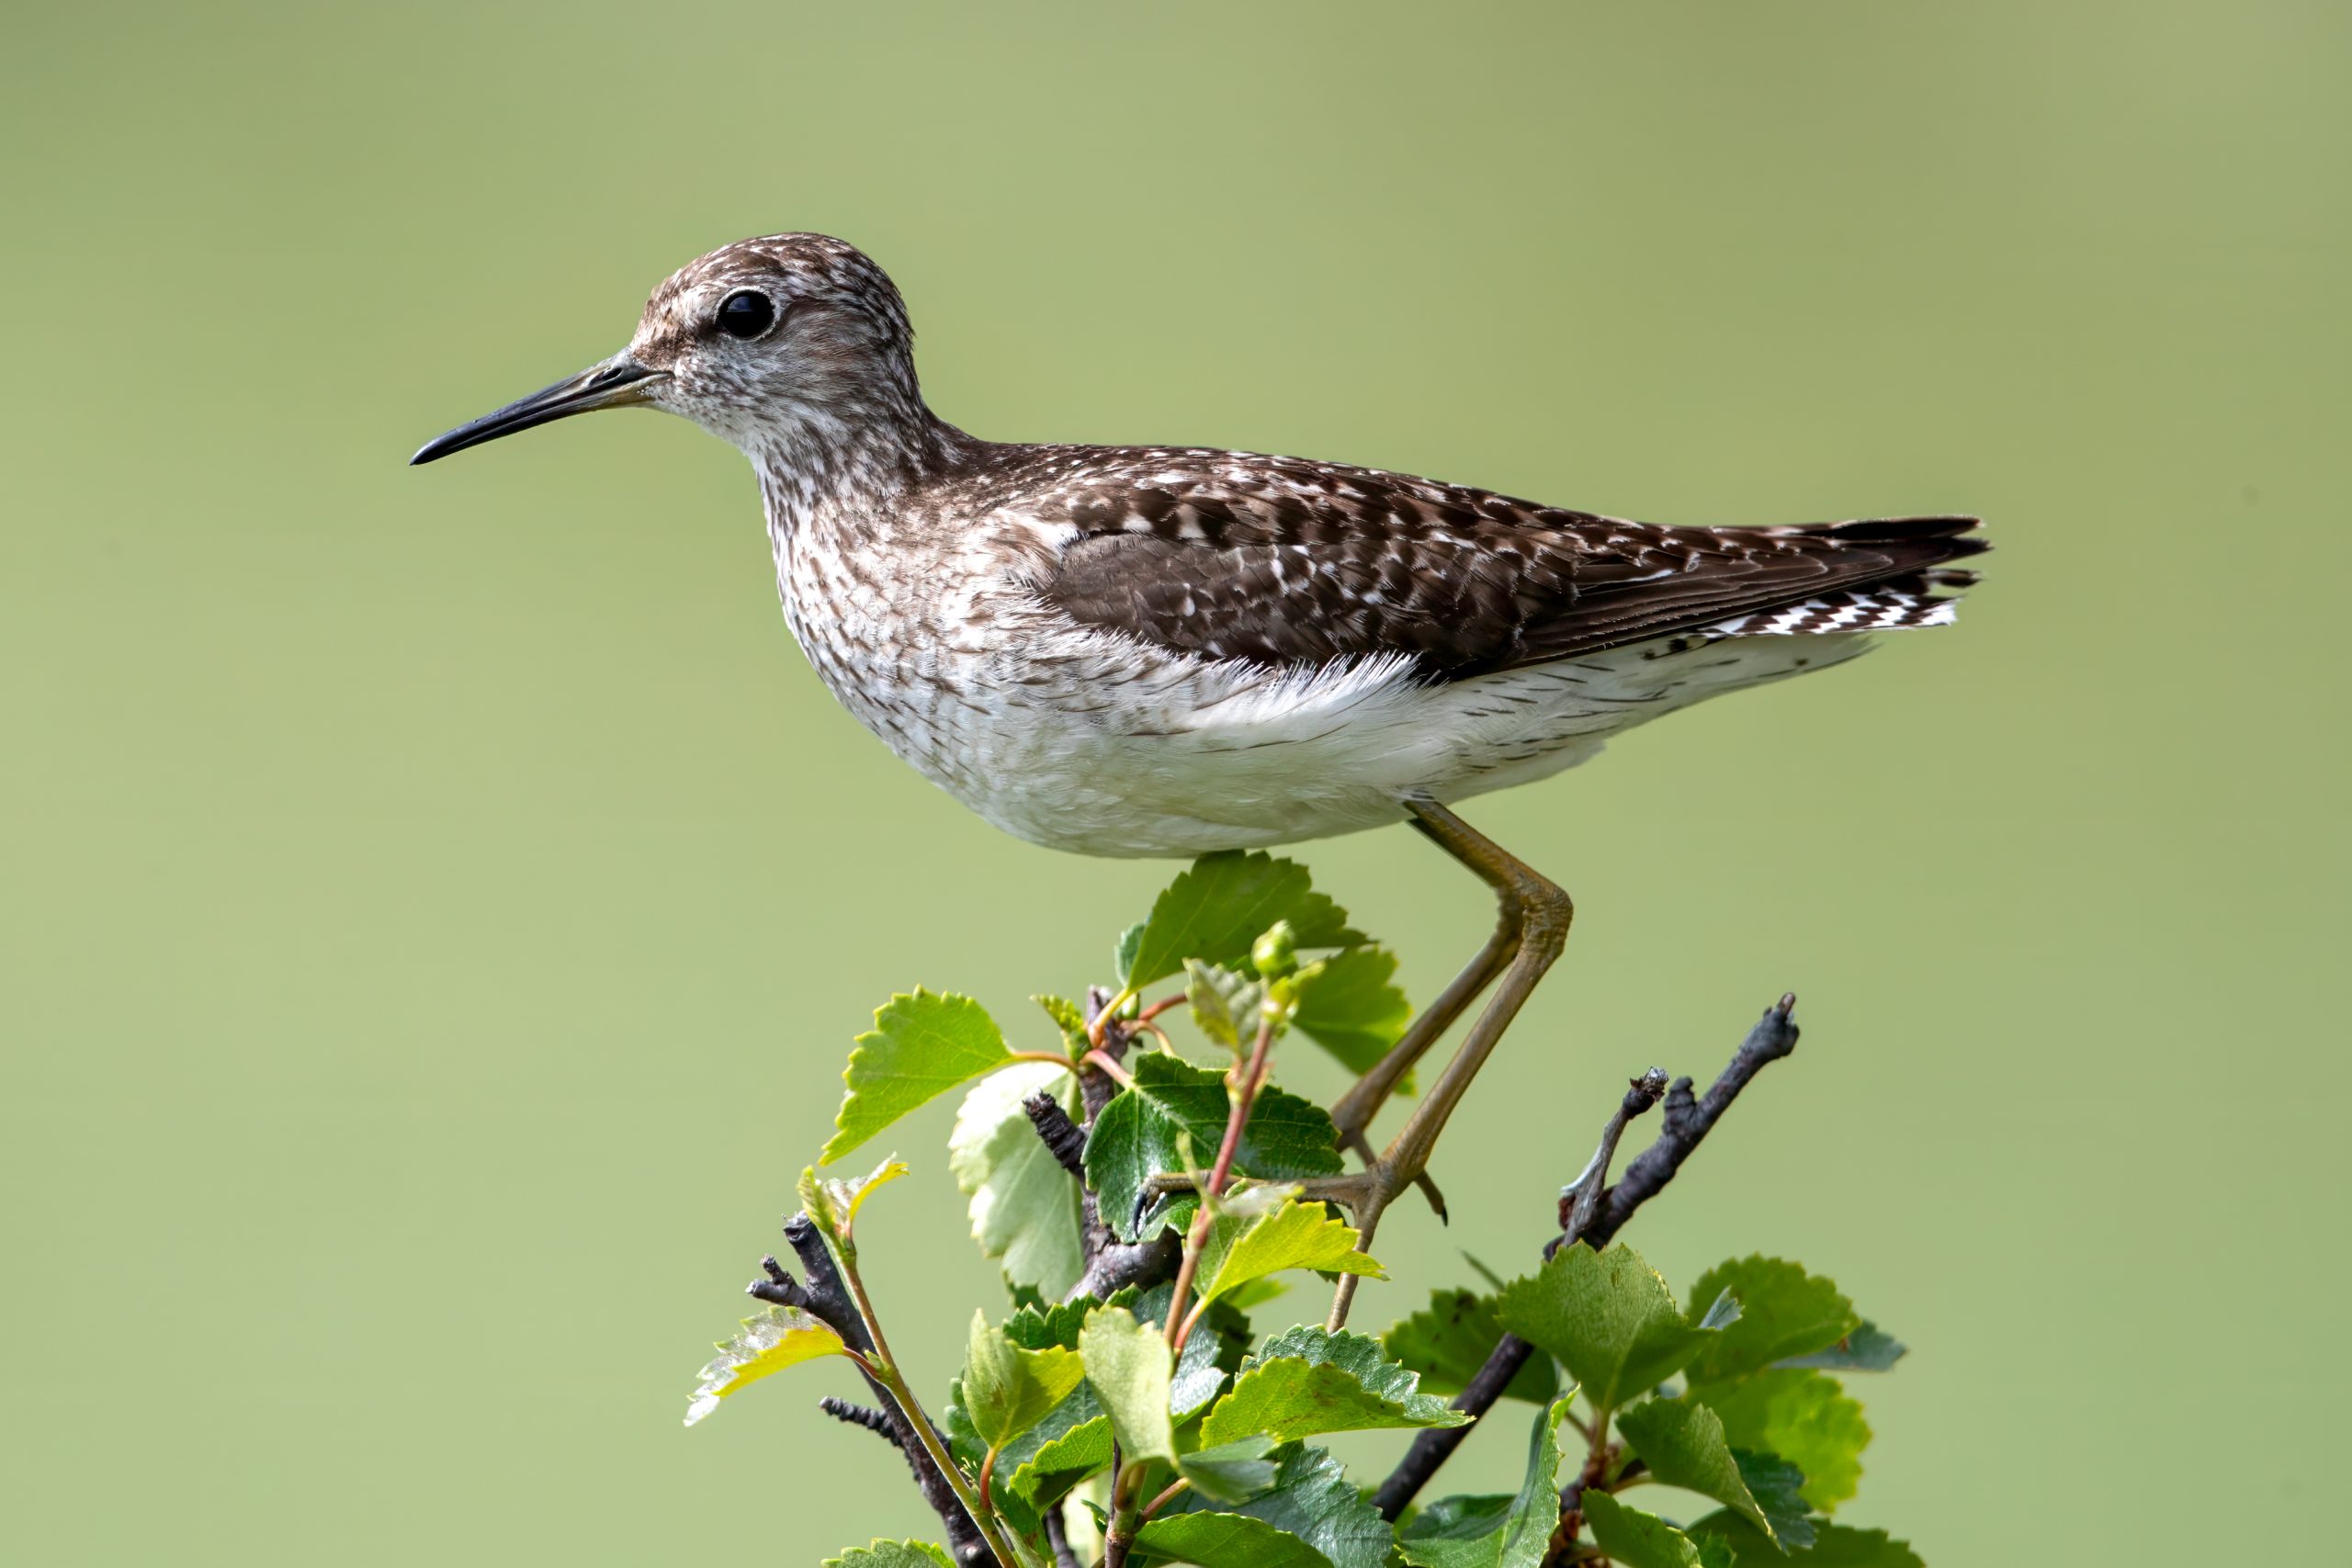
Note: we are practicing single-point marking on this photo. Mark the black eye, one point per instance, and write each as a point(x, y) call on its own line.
point(746, 314)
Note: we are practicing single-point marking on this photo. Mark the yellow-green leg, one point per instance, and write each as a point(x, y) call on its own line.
point(1531, 929)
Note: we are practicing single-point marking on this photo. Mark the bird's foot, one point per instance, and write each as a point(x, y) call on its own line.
point(1361, 1146)
point(1371, 1190)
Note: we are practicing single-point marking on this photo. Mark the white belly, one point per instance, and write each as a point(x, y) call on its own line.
point(1084, 743)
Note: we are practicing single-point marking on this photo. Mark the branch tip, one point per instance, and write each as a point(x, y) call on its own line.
point(1064, 1137)
point(873, 1421)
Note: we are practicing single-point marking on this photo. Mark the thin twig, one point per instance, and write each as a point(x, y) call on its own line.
point(779, 1288)
point(827, 1299)
point(1686, 1122)
point(1236, 1117)
point(1109, 1066)
point(1580, 1198)
point(885, 1365)
point(1167, 1495)
point(1162, 1005)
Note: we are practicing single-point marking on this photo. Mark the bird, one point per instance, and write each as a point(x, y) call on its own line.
point(1177, 650)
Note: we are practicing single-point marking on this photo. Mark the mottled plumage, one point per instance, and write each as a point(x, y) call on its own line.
point(1167, 650)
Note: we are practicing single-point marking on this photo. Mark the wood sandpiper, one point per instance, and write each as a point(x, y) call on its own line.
point(1170, 651)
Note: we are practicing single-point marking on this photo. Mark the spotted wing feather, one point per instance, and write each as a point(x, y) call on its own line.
point(1281, 561)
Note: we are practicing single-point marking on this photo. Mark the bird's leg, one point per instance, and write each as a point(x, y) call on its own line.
point(1534, 929)
point(1353, 1112)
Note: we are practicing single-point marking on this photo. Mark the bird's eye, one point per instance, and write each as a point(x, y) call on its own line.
point(746, 314)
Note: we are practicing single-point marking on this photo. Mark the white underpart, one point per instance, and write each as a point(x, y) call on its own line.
point(1275, 757)
point(1088, 741)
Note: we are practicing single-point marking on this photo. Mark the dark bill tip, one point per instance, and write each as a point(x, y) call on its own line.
point(615, 383)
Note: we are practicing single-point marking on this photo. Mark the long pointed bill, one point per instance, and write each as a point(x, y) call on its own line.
point(617, 383)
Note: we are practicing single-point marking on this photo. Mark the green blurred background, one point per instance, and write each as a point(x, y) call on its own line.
point(433, 905)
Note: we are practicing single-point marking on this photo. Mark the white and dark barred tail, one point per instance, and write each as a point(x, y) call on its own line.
point(1924, 596)
point(1916, 590)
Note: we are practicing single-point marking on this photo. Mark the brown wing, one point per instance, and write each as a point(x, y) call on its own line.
point(1281, 561)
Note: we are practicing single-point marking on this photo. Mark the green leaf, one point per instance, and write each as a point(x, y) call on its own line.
point(1128, 1367)
point(1224, 1003)
point(1240, 1248)
point(1313, 1499)
point(1635, 1540)
point(1807, 1418)
point(1035, 1327)
point(1473, 1533)
point(1836, 1546)
point(1308, 1382)
point(1783, 1311)
point(1227, 1541)
point(1068, 1446)
point(1123, 956)
point(1041, 1465)
point(1778, 1487)
point(1197, 1378)
point(1008, 1390)
point(1350, 1005)
point(1026, 1211)
point(1218, 908)
point(921, 1046)
point(893, 1554)
point(1683, 1444)
point(1451, 1339)
point(779, 1337)
point(834, 1202)
point(1230, 1472)
point(1138, 1136)
point(1608, 1317)
point(1868, 1348)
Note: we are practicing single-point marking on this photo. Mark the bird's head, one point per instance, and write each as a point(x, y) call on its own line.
point(789, 339)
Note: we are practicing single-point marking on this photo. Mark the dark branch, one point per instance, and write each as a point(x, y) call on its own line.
point(1111, 1264)
point(779, 1288)
point(1580, 1198)
point(1687, 1122)
point(825, 1297)
point(1061, 1135)
point(1057, 1537)
point(873, 1420)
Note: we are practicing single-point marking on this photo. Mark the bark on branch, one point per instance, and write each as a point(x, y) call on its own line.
point(825, 1297)
point(1688, 1120)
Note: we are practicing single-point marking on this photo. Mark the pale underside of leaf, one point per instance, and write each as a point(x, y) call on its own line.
point(776, 1339)
point(1026, 1211)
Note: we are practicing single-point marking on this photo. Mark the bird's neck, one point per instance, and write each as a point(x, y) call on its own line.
point(814, 463)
